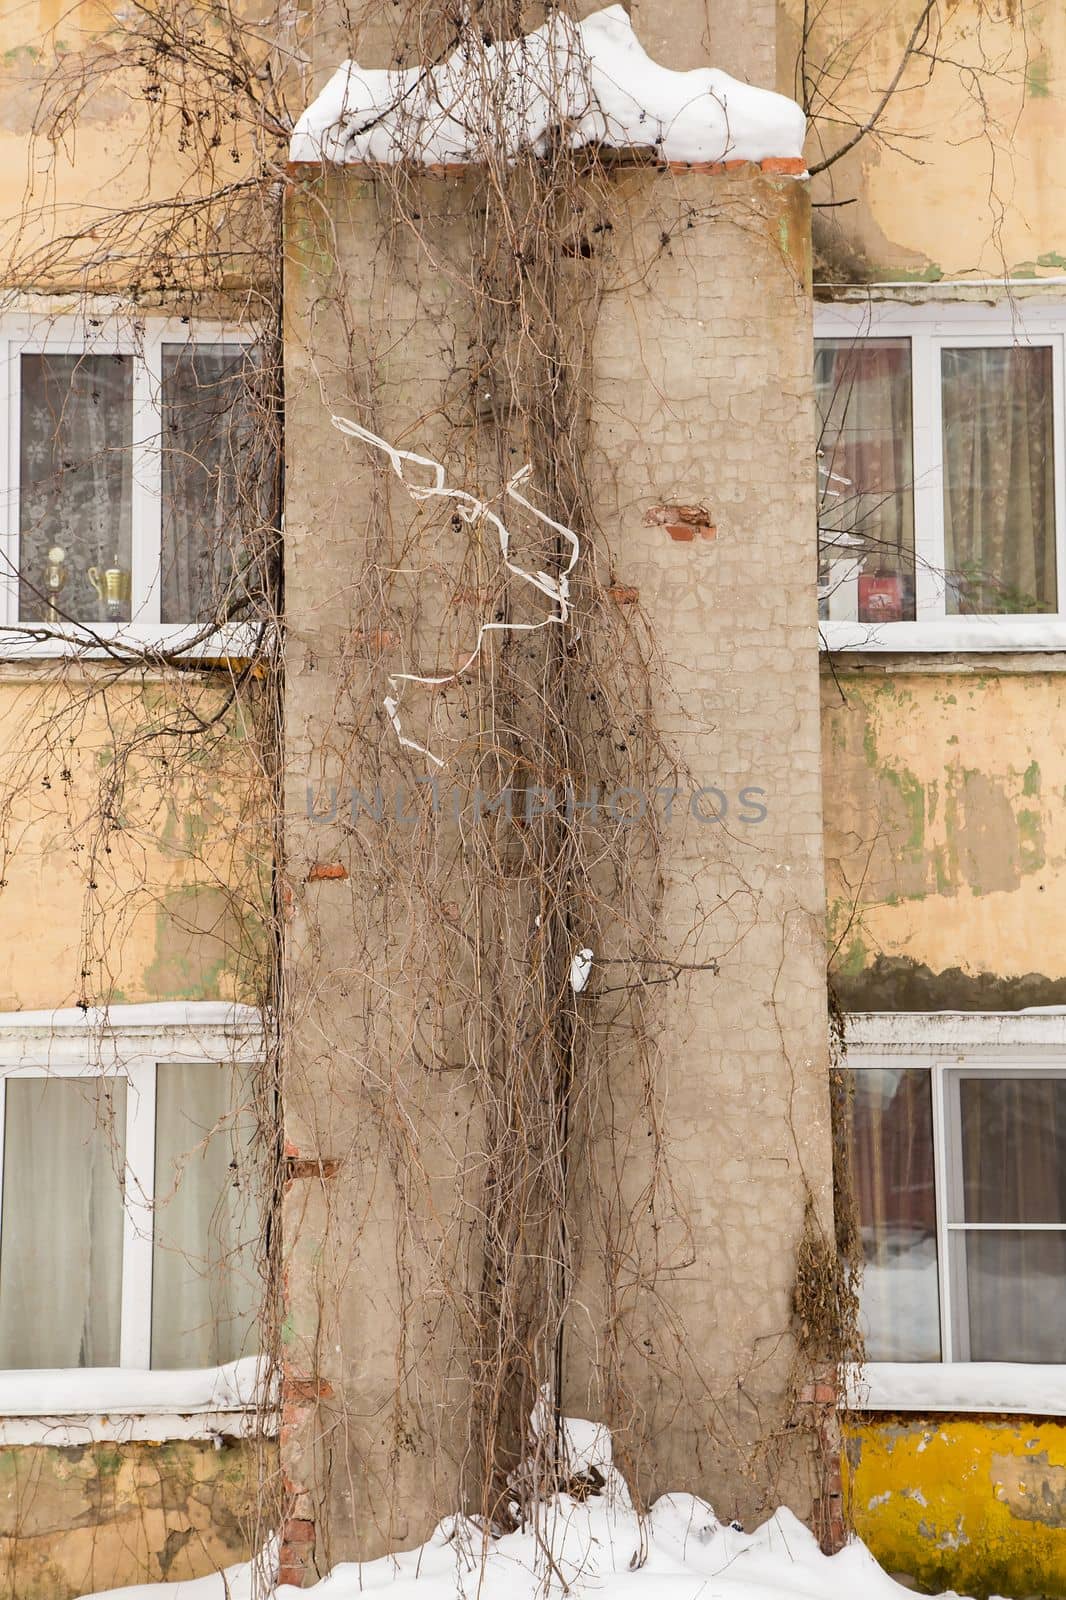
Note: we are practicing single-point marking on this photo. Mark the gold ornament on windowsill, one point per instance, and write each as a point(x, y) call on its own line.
point(113, 588)
point(55, 576)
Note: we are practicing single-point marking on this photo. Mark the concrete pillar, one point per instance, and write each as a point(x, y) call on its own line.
point(699, 466)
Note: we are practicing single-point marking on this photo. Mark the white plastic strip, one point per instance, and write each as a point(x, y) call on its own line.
point(470, 509)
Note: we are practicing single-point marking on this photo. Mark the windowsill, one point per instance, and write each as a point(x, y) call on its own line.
point(85, 1404)
point(946, 635)
point(1003, 1387)
point(126, 642)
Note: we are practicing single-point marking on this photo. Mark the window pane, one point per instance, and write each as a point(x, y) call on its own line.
point(61, 1222)
point(865, 477)
point(891, 1131)
point(1013, 1149)
point(206, 441)
point(1015, 1292)
point(205, 1286)
point(999, 480)
point(76, 421)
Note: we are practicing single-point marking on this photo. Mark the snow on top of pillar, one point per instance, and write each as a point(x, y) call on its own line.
point(589, 82)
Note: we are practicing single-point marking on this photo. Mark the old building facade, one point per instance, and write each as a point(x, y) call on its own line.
point(288, 969)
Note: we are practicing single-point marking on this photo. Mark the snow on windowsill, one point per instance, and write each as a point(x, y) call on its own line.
point(592, 81)
point(970, 1386)
point(82, 1391)
point(67, 1406)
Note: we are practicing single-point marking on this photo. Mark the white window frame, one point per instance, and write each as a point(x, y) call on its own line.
point(932, 328)
point(132, 1400)
point(949, 1044)
point(142, 341)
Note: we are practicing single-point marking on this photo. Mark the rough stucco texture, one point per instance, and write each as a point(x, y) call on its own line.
point(973, 1504)
point(94, 1517)
point(700, 396)
point(700, 382)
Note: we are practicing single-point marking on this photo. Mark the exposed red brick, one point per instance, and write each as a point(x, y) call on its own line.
point(377, 640)
point(306, 1390)
point(623, 595)
point(659, 516)
point(707, 530)
point(683, 532)
point(820, 1394)
point(735, 166)
point(790, 164)
point(298, 1166)
point(323, 870)
point(299, 1530)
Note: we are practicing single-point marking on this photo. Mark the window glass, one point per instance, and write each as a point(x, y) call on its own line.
point(1011, 1278)
point(75, 471)
point(205, 1287)
point(999, 480)
point(206, 436)
point(1015, 1290)
point(865, 478)
point(1013, 1149)
point(61, 1222)
point(891, 1127)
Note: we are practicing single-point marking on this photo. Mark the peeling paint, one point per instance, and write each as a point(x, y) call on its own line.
point(945, 848)
point(977, 1505)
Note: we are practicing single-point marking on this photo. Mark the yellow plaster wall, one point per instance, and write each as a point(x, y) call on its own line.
point(967, 1503)
point(945, 837)
point(131, 866)
point(97, 1516)
point(969, 180)
point(60, 173)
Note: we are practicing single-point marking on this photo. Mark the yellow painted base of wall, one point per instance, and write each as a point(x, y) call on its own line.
point(975, 1504)
point(81, 1518)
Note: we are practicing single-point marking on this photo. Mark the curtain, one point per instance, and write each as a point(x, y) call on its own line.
point(75, 472)
point(61, 1223)
point(863, 396)
point(206, 1288)
point(1013, 1136)
point(208, 475)
point(891, 1134)
point(999, 479)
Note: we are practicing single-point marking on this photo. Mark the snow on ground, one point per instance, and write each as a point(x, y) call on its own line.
point(593, 1548)
point(592, 81)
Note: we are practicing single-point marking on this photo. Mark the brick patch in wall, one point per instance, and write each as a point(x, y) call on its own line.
point(298, 1166)
point(682, 523)
point(782, 166)
point(297, 1535)
point(322, 871)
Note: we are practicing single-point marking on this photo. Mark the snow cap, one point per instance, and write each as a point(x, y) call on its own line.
point(591, 82)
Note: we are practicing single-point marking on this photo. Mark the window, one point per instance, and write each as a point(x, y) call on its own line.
point(941, 476)
point(130, 1209)
point(958, 1158)
point(132, 478)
